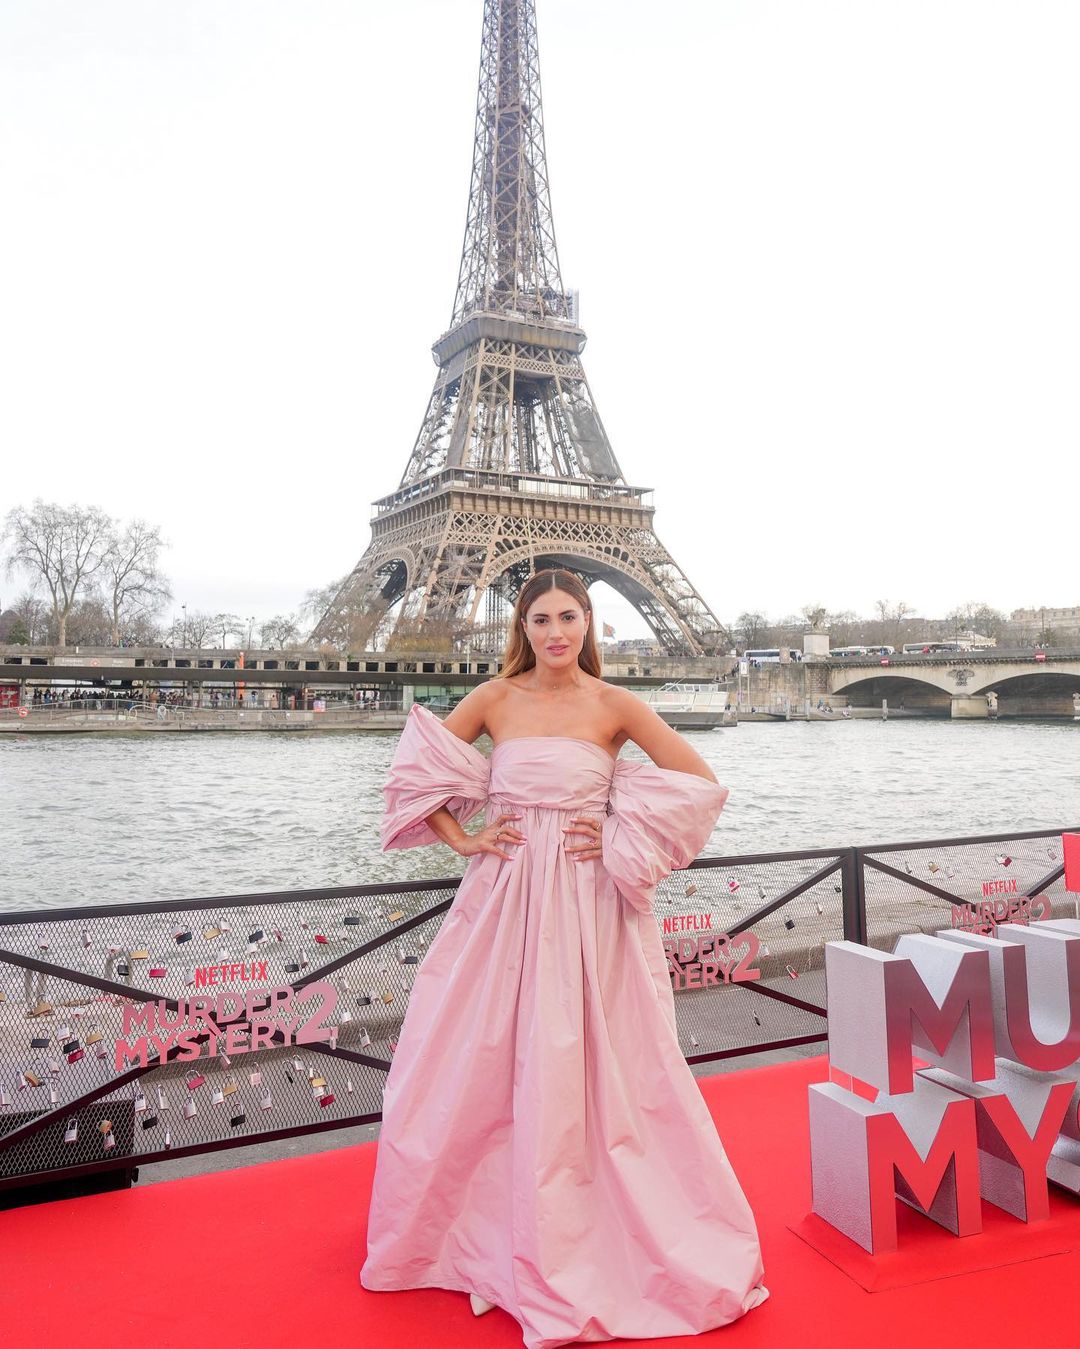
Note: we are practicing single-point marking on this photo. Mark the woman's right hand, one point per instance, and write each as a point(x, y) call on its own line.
point(489, 838)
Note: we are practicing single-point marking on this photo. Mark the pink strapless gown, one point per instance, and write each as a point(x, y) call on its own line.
point(544, 1143)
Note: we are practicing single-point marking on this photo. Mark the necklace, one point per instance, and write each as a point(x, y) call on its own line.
point(555, 688)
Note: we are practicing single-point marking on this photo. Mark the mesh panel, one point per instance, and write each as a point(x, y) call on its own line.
point(971, 875)
point(87, 977)
point(68, 981)
point(781, 939)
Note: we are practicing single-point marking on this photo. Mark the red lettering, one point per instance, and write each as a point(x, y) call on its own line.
point(163, 1045)
point(951, 1167)
point(262, 1034)
point(138, 1016)
point(1043, 905)
point(137, 1054)
point(1030, 1150)
point(188, 1045)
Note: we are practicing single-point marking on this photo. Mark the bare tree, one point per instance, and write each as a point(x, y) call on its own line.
point(316, 602)
point(891, 626)
point(988, 621)
point(844, 627)
point(89, 623)
point(142, 630)
point(750, 628)
point(229, 625)
point(31, 612)
point(64, 546)
point(350, 626)
point(131, 576)
point(194, 630)
point(280, 631)
point(978, 618)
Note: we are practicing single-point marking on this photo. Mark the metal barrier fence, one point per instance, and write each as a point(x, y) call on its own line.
point(84, 1087)
point(962, 882)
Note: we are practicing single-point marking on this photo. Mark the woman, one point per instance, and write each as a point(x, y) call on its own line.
point(544, 1145)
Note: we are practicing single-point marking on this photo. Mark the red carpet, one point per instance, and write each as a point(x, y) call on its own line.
point(928, 1252)
point(267, 1257)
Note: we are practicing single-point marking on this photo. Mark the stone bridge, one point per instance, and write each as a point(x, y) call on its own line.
point(963, 684)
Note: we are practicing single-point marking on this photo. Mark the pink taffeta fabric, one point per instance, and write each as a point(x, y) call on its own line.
point(544, 1143)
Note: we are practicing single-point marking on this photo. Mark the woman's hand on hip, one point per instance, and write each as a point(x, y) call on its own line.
point(490, 837)
point(592, 847)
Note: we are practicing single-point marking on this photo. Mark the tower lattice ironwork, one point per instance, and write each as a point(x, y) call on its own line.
point(512, 469)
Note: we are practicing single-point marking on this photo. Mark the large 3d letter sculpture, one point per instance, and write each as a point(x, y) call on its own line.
point(995, 1118)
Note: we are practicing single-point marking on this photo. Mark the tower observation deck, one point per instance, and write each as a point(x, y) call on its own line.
point(512, 469)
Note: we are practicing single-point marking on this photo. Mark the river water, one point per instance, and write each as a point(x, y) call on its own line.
point(100, 819)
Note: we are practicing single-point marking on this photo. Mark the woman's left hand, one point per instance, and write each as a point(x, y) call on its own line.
point(592, 847)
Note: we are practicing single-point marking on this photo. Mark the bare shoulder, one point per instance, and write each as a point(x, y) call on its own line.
point(492, 693)
point(624, 706)
point(649, 731)
point(469, 719)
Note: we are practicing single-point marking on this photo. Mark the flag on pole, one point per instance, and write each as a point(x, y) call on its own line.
point(609, 631)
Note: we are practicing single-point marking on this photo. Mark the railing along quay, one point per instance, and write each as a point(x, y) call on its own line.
point(134, 715)
point(85, 1086)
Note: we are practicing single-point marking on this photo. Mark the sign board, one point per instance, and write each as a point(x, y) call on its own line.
point(993, 1118)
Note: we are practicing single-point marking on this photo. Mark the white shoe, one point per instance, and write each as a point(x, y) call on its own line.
point(478, 1304)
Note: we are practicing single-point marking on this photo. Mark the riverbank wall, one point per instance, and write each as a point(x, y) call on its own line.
point(183, 721)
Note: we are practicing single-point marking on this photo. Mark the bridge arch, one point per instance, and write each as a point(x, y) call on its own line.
point(903, 691)
point(617, 569)
point(372, 591)
point(1048, 693)
point(967, 687)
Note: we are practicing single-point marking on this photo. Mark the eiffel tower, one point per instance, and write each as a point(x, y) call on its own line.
point(512, 470)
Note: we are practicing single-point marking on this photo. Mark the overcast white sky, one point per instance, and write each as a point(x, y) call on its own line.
point(827, 254)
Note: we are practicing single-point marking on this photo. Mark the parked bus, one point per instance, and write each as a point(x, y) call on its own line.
point(933, 648)
point(771, 655)
point(841, 651)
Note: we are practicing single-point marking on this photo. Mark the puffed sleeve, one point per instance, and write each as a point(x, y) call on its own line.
point(431, 767)
point(660, 819)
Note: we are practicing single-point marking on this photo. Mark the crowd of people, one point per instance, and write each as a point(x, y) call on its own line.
point(95, 699)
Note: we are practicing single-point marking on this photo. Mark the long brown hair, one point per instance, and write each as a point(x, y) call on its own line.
point(519, 655)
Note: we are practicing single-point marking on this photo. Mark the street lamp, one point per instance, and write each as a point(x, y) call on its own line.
point(183, 640)
point(251, 624)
